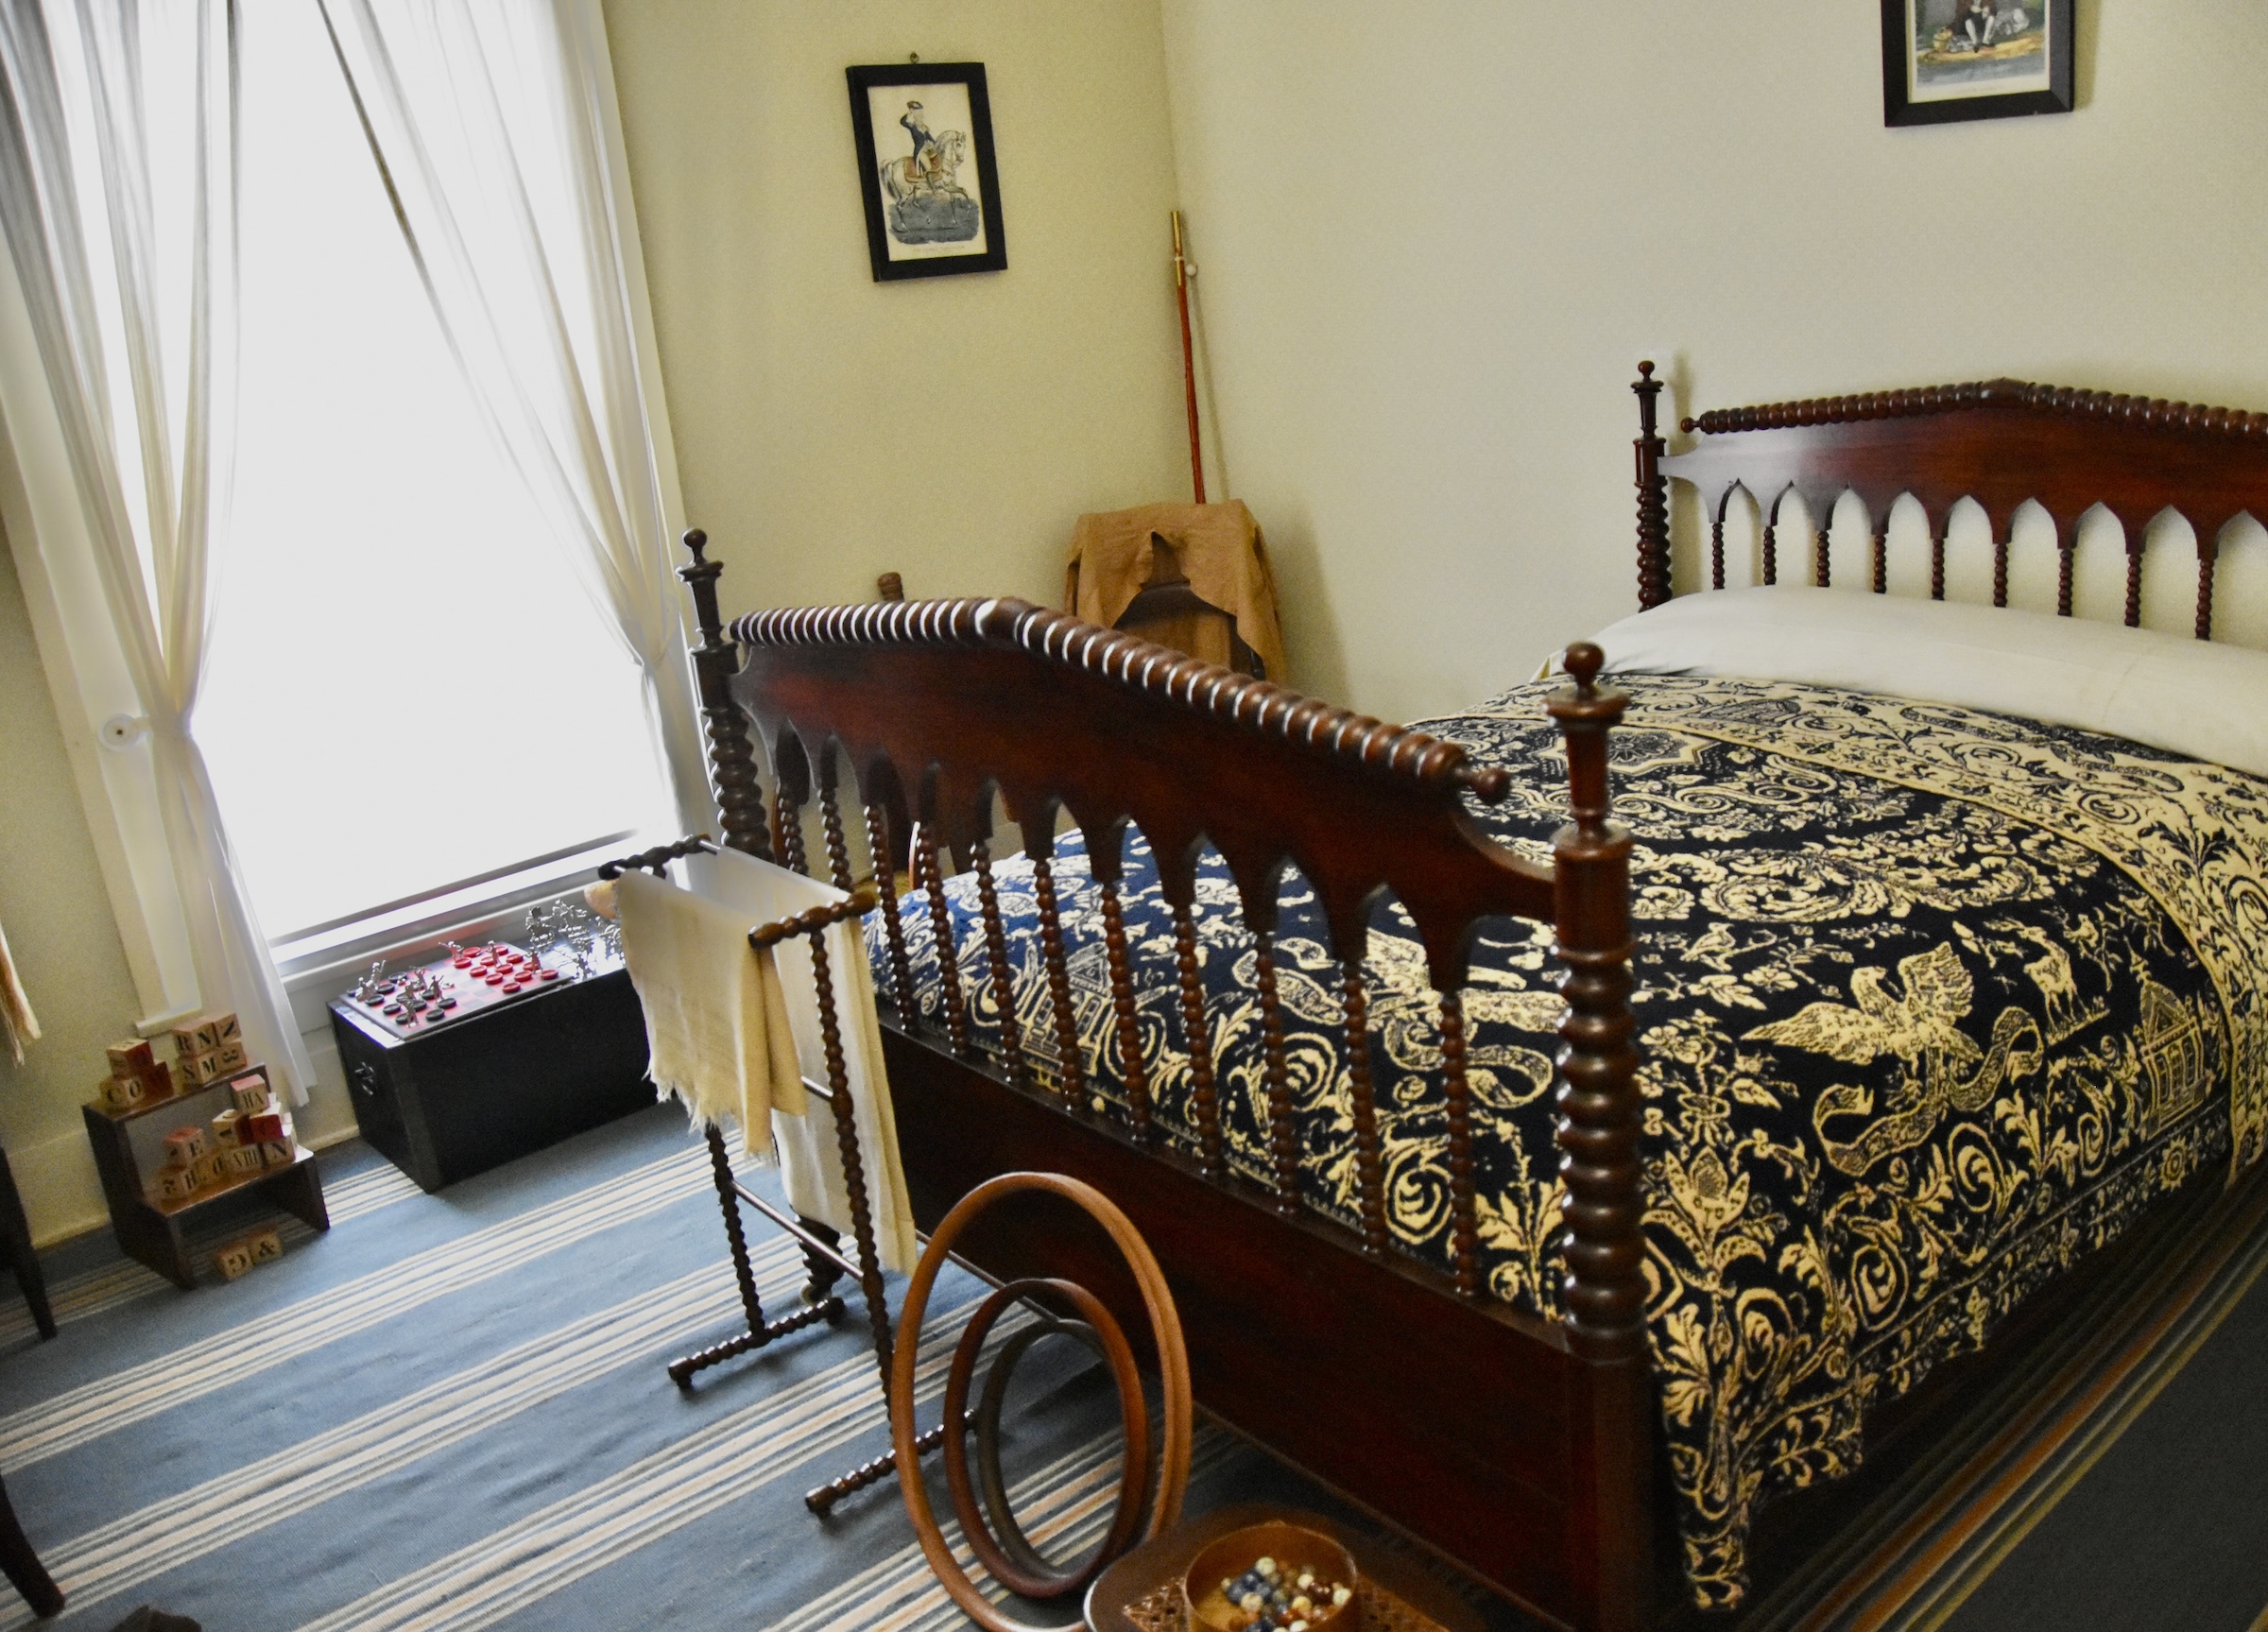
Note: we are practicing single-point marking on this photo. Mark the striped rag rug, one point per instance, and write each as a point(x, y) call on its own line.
point(450, 1411)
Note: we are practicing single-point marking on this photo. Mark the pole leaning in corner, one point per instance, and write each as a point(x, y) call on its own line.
point(1183, 271)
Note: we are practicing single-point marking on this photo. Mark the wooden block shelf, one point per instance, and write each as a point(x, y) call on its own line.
point(127, 1145)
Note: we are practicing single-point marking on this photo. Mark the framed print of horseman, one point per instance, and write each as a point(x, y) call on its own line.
point(1975, 59)
point(924, 137)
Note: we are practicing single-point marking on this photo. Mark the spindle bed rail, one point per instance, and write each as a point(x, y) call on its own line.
point(1519, 1446)
point(2000, 443)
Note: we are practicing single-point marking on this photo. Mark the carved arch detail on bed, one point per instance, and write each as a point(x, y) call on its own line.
point(2002, 443)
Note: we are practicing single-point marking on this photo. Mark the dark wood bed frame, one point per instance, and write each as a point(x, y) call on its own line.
point(1521, 1449)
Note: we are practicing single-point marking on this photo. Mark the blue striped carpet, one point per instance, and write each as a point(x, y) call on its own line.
point(450, 1411)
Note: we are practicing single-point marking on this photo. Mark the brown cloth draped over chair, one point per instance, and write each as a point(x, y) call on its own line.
point(1193, 577)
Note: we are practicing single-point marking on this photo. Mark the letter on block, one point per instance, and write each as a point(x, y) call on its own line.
point(276, 1151)
point(249, 1093)
point(232, 1260)
point(122, 1092)
point(172, 1184)
point(225, 1029)
point(183, 1146)
point(228, 1060)
point(267, 1244)
point(244, 1159)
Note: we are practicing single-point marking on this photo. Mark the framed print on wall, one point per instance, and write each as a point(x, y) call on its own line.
point(1975, 59)
point(923, 132)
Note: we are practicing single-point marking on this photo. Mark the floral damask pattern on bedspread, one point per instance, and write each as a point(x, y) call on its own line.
point(1931, 1005)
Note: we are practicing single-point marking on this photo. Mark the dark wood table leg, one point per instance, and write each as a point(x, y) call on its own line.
point(23, 1565)
point(299, 1192)
point(16, 1236)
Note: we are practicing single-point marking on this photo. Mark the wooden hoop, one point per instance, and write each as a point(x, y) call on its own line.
point(1165, 1332)
point(1009, 1555)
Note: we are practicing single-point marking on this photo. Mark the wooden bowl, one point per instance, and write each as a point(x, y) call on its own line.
point(1296, 1549)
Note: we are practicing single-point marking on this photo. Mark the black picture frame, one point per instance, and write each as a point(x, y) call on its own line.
point(917, 215)
point(1968, 47)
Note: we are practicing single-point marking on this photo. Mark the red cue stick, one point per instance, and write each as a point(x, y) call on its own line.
point(1183, 271)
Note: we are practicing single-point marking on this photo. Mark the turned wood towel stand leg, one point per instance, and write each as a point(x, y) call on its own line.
point(778, 836)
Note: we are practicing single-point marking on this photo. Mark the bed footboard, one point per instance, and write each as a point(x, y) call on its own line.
point(1521, 1447)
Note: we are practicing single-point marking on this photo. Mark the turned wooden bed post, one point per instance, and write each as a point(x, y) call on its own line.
point(732, 773)
point(1653, 497)
point(1604, 1293)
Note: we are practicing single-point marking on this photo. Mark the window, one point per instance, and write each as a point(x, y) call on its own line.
point(407, 689)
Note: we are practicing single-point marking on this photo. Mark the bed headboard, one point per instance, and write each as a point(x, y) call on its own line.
point(2000, 442)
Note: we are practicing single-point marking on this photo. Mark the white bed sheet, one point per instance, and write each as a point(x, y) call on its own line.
point(2188, 696)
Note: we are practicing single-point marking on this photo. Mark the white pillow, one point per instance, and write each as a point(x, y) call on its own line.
point(2188, 696)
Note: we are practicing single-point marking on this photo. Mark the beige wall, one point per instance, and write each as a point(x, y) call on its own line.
point(65, 942)
point(1435, 240)
point(828, 428)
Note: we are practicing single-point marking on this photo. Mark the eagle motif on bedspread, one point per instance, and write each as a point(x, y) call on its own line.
point(1931, 1005)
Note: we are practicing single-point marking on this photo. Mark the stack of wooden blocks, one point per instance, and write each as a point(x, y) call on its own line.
point(137, 1076)
point(253, 1134)
point(206, 1050)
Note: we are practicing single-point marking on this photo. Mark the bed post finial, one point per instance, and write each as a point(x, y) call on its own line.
point(733, 774)
point(1653, 497)
point(1598, 1101)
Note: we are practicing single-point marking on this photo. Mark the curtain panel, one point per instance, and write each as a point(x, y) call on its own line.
point(495, 130)
point(118, 202)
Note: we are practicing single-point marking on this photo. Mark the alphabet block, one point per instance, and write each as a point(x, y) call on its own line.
point(226, 1030)
point(243, 1158)
point(228, 1060)
point(131, 1057)
point(184, 1145)
point(232, 1260)
point(267, 1246)
point(276, 1151)
point(249, 1093)
point(122, 1092)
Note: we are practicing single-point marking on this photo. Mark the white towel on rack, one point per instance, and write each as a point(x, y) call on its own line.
point(718, 1032)
point(746, 892)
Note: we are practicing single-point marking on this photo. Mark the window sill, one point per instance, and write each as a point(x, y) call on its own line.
point(318, 967)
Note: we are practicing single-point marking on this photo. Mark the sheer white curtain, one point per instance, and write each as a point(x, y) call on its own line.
point(495, 128)
point(118, 201)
